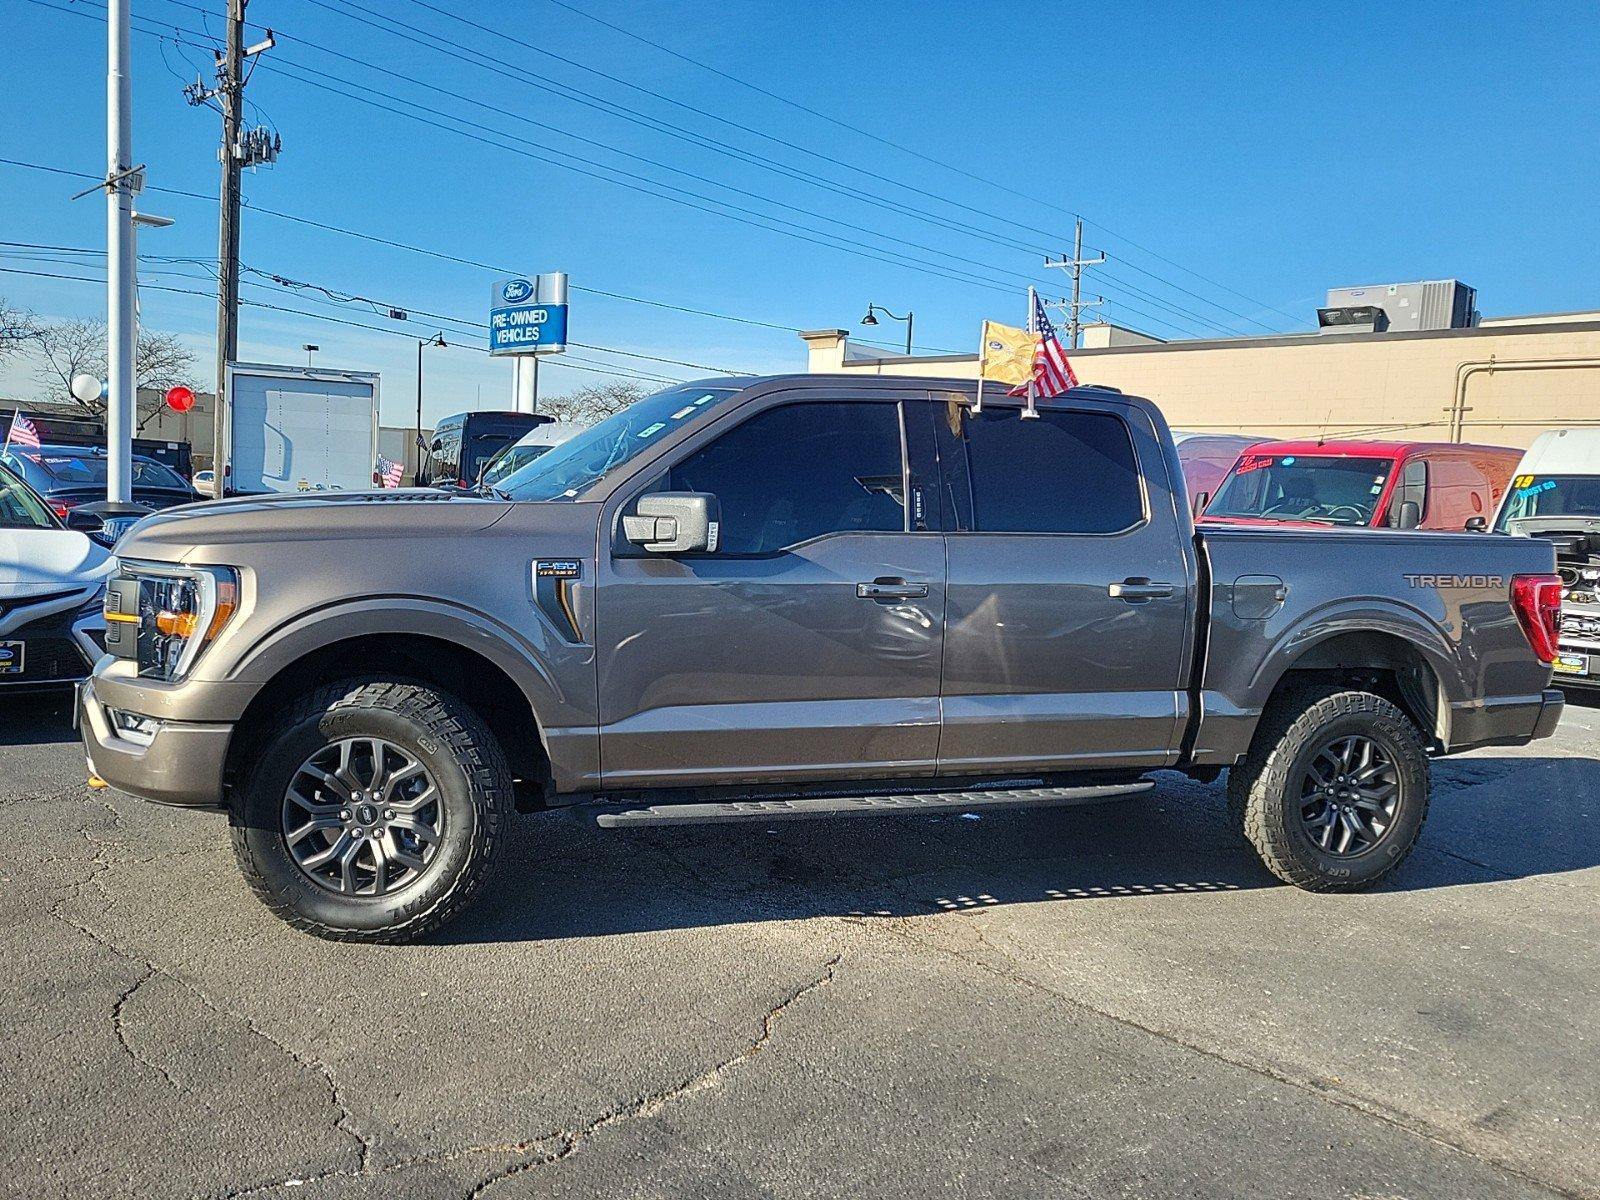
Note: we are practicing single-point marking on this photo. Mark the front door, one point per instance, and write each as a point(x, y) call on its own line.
point(1067, 639)
point(808, 645)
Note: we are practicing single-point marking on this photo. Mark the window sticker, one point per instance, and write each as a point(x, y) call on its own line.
point(651, 430)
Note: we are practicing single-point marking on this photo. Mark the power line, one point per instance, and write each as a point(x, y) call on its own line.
point(522, 76)
point(927, 158)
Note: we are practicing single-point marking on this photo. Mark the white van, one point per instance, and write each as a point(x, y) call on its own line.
point(1555, 494)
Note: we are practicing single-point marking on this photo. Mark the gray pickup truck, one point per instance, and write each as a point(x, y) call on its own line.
point(763, 598)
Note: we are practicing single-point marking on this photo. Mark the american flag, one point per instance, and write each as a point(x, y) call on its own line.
point(1052, 373)
point(390, 473)
point(22, 432)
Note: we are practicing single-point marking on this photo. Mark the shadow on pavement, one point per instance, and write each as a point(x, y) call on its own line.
point(1493, 819)
point(36, 718)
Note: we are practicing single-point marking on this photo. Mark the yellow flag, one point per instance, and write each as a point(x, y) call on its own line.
point(1007, 353)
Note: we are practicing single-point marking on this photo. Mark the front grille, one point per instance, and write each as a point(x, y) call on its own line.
point(1577, 625)
point(48, 660)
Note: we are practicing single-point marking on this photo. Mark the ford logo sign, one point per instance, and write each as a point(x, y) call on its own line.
point(516, 291)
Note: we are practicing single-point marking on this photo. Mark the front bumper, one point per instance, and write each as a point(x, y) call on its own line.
point(182, 764)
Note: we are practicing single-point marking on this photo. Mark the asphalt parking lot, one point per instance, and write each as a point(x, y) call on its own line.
point(1106, 1001)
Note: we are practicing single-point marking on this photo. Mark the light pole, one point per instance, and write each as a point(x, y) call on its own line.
point(422, 344)
point(871, 319)
point(310, 348)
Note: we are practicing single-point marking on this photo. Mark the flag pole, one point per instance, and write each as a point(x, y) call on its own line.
point(977, 406)
point(1030, 412)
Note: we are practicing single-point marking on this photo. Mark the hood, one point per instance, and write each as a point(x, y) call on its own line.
point(37, 561)
point(1273, 523)
point(1545, 526)
point(192, 530)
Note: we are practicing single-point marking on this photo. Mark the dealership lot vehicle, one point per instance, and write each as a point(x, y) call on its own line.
point(463, 445)
point(1206, 459)
point(1381, 485)
point(539, 440)
point(767, 598)
point(51, 582)
point(1555, 495)
point(68, 476)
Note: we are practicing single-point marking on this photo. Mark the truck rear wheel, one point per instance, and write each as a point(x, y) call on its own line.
point(372, 812)
point(1334, 790)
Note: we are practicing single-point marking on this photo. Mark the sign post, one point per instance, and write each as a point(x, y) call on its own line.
point(527, 318)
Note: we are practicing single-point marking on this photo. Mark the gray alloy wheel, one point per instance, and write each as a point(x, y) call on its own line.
point(362, 817)
point(1349, 796)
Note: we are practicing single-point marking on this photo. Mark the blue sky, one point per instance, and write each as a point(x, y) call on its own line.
point(1235, 164)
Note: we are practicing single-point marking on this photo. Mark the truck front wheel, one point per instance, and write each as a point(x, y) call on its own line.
point(1333, 792)
point(372, 812)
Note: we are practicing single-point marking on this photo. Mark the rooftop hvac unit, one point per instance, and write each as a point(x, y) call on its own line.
point(1409, 307)
point(1364, 318)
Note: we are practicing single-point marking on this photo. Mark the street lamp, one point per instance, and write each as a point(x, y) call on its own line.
point(871, 319)
point(422, 344)
point(310, 348)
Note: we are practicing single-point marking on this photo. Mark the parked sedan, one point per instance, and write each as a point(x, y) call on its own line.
point(67, 476)
point(52, 581)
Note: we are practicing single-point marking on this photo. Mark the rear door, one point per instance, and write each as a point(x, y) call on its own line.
point(1067, 636)
point(808, 644)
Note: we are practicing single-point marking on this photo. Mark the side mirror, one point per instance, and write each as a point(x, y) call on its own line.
point(674, 523)
point(1477, 525)
point(1201, 499)
point(1410, 515)
point(85, 522)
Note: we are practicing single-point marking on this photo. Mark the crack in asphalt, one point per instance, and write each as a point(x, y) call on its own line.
point(120, 1026)
point(648, 1105)
point(1324, 1089)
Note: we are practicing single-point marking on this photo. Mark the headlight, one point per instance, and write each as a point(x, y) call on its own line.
point(164, 616)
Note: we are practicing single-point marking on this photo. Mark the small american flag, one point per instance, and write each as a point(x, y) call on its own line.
point(22, 432)
point(1052, 373)
point(389, 472)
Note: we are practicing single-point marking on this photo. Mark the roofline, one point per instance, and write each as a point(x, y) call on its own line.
point(1534, 325)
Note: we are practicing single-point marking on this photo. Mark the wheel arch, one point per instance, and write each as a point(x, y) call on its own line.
point(1386, 662)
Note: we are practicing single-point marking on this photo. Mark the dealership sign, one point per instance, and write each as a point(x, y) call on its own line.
point(528, 315)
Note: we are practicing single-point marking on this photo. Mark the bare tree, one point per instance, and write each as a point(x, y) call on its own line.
point(19, 329)
point(594, 401)
point(69, 348)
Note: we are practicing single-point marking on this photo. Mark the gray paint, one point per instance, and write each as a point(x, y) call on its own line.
point(706, 670)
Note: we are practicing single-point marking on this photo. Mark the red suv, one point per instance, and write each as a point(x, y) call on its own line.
point(1380, 485)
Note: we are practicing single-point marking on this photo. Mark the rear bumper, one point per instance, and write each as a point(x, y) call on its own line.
point(1514, 721)
point(182, 764)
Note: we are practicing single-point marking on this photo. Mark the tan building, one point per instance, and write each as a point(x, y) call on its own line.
point(1501, 382)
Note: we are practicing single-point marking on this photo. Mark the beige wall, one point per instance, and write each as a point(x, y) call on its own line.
point(1499, 384)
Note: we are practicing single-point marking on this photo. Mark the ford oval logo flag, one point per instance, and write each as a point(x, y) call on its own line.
point(516, 291)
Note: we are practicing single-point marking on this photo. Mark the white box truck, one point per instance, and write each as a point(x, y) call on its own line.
point(300, 429)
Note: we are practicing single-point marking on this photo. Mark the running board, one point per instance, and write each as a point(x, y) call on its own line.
point(621, 816)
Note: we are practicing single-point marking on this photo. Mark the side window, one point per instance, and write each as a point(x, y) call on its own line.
point(1413, 486)
point(797, 472)
point(1067, 472)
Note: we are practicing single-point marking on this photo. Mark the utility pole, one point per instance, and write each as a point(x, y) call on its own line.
point(237, 152)
point(122, 181)
point(1074, 266)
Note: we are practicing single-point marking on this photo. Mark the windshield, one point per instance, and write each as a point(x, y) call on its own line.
point(1289, 487)
point(1550, 496)
point(579, 462)
point(512, 458)
point(20, 508)
point(89, 470)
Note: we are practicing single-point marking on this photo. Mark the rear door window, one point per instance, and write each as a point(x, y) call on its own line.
point(1068, 471)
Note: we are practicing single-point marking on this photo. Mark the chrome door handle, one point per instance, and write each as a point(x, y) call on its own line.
point(891, 589)
point(1138, 589)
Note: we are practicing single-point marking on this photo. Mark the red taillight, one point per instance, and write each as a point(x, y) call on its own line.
point(1537, 599)
point(61, 510)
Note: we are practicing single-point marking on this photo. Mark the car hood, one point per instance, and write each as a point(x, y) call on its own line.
point(191, 531)
point(38, 561)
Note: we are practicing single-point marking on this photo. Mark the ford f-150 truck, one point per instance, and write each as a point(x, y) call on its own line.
point(762, 598)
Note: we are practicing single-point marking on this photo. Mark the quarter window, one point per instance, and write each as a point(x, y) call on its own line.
point(1066, 472)
point(794, 473)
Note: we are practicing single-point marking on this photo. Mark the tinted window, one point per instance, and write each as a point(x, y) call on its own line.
point(794, 473)
point(1319, 488)
point(1067, 472)
point(1413, 487)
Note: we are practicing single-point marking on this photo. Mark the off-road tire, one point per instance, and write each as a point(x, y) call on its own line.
point(1264, 789)
point(464, 759)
